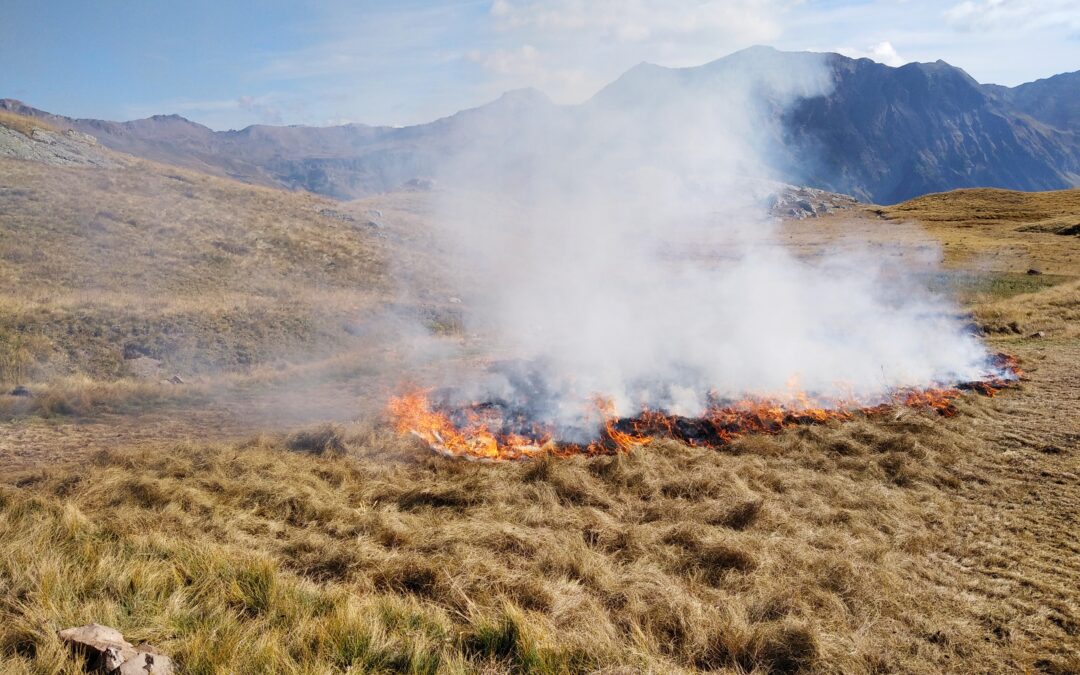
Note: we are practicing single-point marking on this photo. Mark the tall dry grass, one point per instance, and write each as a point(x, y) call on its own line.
point(1054, 312)
point(205, 274)
point(23, 124)
point(338, 548)
point(80, 396)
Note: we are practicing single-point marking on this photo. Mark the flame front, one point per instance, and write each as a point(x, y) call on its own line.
point(475, 431)
point(412, 413)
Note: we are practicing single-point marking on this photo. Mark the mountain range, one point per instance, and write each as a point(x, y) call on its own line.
point(882, 134)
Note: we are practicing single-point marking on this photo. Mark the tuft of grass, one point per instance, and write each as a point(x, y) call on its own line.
point(324, 439)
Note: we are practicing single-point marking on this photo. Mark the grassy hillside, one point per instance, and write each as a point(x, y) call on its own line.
point(115, 279)
point(200, 272)
point(1001, 229)
point(209, 519)
point(23, 124)
point(989, 205)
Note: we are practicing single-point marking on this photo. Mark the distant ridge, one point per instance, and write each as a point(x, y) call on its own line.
point(883, 134)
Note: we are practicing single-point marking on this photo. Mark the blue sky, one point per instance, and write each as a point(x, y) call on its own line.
point(228, 64)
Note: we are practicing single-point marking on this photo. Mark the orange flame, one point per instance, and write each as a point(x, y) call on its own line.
point(718, 426)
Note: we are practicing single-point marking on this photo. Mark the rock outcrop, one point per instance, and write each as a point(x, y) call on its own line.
point(62, 148)
point(106, 651)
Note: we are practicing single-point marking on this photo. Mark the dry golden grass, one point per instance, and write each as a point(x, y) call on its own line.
point(1000, 230)
point(23, 124)
point(80, 395)
point(982, 205)
point(202, 273)
point(335, 548)
point(1054, 312)
point(872, 546)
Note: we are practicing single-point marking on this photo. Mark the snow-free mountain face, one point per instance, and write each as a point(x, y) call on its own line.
point(888, 134)
point(882, 134)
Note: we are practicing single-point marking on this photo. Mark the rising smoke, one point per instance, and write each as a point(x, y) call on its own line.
point(623, 247)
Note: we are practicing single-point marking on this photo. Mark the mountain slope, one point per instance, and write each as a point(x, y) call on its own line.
point(1055, 101)
point(889, 134)
point(344, 162)
point(883, 134)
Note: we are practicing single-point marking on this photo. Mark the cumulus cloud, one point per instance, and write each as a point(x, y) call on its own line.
point(882, 52)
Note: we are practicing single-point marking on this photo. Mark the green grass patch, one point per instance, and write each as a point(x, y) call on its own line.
point(968, 287)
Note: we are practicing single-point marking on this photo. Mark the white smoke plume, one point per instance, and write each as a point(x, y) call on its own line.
point(623, 246)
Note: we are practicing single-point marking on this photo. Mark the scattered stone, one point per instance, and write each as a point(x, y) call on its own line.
point(1034, 272)
point(456, 301)
point(175, 379)
point(146, 661)
point(336, 215)
point(100, 645)
point(1036, 335)
point(20, 390)
point(60, 148)
point(789, 201)
point(106, 651)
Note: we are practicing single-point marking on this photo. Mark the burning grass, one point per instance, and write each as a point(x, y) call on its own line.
point(496, 430)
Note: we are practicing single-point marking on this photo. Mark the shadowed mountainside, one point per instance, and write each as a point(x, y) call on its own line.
point(883, 134)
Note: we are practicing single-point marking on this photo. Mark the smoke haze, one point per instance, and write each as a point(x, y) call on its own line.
point(628, 253)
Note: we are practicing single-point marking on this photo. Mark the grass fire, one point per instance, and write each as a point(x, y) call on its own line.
point(498, 430)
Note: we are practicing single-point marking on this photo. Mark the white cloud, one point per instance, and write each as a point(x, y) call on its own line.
point(643, 20)
point(882, 52)
point(976, 15)
point(262, 107)
point(527, 66)
point(569, 48)
point(505, 62)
